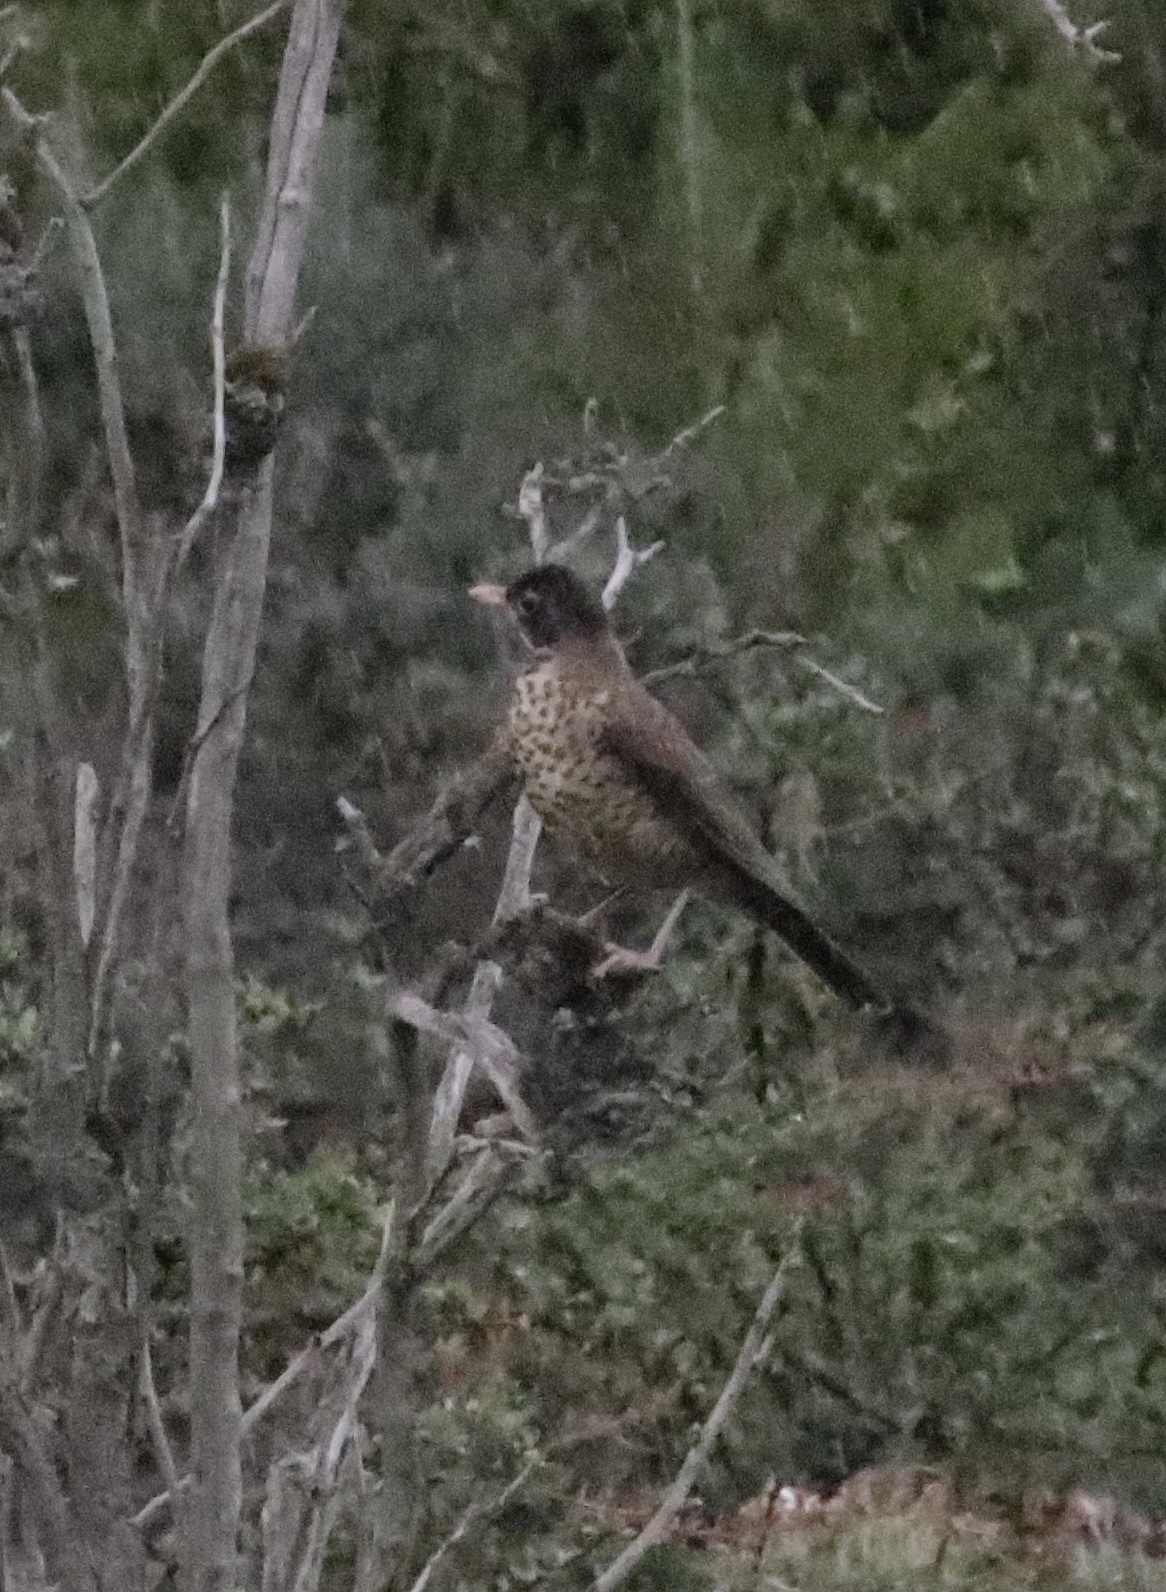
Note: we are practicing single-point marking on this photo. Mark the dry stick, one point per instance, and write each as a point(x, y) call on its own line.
point(206, 66)
point(716, 652)
point(754, 1349)
point(96, 302)
point(480, 1511)
point(34, 425)
point(140, 739)
point(344, 1325)
point(139, 585)
point(491, 1050)
point(329, 1456)
point(1082, 38)
point(210, 497)
point(67, 1561)
point(627, 560)
point(216, 1227)
point(163, 1453)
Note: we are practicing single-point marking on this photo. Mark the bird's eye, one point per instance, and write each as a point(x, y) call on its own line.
point(527, 603)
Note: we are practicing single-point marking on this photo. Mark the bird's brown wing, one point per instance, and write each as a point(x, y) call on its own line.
point(654, 749)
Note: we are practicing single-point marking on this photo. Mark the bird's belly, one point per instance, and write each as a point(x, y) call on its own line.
point(583, 793)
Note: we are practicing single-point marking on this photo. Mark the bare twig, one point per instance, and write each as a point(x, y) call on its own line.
point(44, 1311)
point(342, 1328)
point(362, 838)
point(208, 63)
point(218, 458)
point(451, 1090)
point(441, 832)
point(514, 898)
point(491, 1049)
point(33, 441)
point(97, 313)
point(489, 1175)
point(619, 958)
point(85, 848)
point(532, 510)
point(163, 1453)
point(689, 434)
point(850, 692)
point(718, 651)
point(318, 1472)
point(627, 560)
point(1081, 38)
point(753, 1350)
point(477, 1511)
point(68, 1563)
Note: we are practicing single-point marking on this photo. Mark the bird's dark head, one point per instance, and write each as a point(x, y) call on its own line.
point(551, 605)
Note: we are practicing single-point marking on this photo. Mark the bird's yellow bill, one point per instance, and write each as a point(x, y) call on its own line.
point(491, 595)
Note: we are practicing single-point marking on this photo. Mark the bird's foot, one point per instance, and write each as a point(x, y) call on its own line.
point(622, 959)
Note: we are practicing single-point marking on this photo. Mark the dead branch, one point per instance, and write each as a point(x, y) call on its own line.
point(436, 836)
point(210, 497)
point(477, 1511)
point(67, 1561)
point(627, 560)
point(208, 63)
point(753, 1350)
point(163, 1453)
point(341, 1329)
point(714, 652)
point(1082, 38)
point(451, 1090)
point(216, 1231)
point(532, 511)
point(489, 1176)
point(491, 1049)
point(85, 848)
point(97, 314)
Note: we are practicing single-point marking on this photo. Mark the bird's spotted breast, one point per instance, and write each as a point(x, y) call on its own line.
point(577, 788)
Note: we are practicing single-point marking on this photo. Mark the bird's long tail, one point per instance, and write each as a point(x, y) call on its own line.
point(901, 1025)
point(815, 947)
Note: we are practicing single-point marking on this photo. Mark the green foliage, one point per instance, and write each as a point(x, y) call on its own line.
point(312, 1239)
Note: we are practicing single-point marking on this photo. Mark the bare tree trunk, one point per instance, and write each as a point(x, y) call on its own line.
point(216, 1247)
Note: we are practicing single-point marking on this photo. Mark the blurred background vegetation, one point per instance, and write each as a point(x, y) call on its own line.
point(916, 249)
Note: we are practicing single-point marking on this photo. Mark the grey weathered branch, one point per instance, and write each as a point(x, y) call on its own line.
point(210, 497)
point(216, 1229)
point(714, 652)
point(627, 560)
point(476, 1511)
point(1082, 38)
point(753, 1350)
point(340, 1330)
point(491, 1049)
point(159, 1439)
point(66, 1560)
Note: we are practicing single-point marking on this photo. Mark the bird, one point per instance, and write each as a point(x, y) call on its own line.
point(611, 771)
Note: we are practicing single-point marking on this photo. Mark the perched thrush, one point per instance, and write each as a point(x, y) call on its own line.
point(611, 770)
